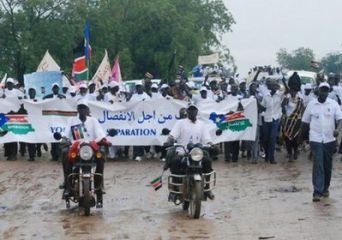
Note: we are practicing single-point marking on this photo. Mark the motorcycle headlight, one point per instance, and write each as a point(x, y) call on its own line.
point(196, 154)
point(86, 152)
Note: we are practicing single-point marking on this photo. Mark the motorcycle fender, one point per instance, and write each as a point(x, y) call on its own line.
point(197, 177)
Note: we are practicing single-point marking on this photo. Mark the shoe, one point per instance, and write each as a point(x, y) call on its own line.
point(316, 197)
point(273, 162)
point(227, 159)
point(254, 162)
point(210, 195)
point(138, 159)
point(30, 159)
point(163, 159)
point(326, 194)
point(262, 154)
point(99, 204)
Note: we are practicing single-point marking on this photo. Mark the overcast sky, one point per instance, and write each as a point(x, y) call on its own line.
point(264, 26)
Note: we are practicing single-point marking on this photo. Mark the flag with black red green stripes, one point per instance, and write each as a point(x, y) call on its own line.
point(157, 183)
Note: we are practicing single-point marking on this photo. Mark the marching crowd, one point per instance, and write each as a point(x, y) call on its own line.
point(287, 111)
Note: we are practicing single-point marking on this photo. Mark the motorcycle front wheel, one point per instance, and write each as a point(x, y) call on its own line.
point(86, 196)
point(196, 200)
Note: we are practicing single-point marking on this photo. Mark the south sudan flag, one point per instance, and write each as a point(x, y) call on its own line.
point(157, 183)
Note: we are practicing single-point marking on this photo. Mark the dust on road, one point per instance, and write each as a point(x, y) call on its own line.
point(260, 201)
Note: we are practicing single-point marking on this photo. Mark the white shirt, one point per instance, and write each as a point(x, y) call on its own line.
point(185, 131)
point(139, 97)
point(272, 105)
point(156, 95)
point(13, 93)
point(322, 117)
point(292, 104)
point(115, 98)
point(89, 130)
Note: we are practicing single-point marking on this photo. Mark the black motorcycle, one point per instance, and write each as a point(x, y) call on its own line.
point(189, 188)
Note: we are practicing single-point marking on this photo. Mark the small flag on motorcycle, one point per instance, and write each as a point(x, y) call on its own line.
point(157, 183)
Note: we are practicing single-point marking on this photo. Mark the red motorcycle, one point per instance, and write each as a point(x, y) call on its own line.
point(85, 180)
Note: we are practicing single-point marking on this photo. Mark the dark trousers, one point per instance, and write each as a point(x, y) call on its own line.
point(138, 151)
point(270, 134)
point(11, 150)
point(32, 149)
point(55, 151)
point(291, 145)
point(322, 165)
point(231, 150)
point(162, 150)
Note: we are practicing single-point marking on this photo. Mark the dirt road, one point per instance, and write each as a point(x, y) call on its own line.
point(252, 202)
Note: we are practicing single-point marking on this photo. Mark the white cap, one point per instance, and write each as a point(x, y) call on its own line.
point(203, 88)
point(138, 83)
point(104, 86)
point(113, 84)
point(324, 84)
point(55, 84)
point(242, 80)
point(82, 102)
point(11, 80)
point(308, 86)
point(72, 89)
point(154, 85)
point(164, 86)
point(83, 85)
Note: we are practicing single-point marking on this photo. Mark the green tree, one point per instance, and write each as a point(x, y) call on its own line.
point(299, 59)
point(143, 33)
point(332, 62)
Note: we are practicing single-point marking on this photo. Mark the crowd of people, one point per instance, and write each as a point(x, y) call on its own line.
point(285, 109)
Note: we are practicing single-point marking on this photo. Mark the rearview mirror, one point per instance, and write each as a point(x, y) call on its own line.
point(112, 132)
point(165, 131)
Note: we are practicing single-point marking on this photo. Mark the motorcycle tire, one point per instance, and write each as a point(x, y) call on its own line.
point(196, 200)
point(86, 197)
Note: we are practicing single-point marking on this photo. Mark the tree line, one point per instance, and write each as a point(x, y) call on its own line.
point(145, 34)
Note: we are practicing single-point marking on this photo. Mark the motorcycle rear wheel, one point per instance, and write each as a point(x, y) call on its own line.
point(196, 200)
point(86, 197)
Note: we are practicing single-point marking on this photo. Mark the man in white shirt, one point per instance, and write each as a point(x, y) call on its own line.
point(87, 128)
point(11, 148)
point(321, 116)
point(155, 94)
point(185, 131)
point(272, 103)
point(10, 91)
point(139, 94)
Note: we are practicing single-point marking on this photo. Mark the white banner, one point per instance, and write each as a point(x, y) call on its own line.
point(209, 59)
point(138, 123)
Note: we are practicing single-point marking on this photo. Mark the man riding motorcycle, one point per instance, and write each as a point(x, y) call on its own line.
point(185, 131)
point(87, 128)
